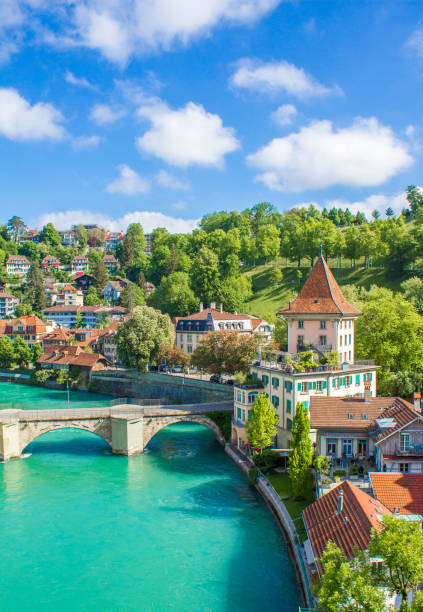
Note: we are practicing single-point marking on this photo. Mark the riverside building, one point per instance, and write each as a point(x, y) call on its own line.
point(320, 320)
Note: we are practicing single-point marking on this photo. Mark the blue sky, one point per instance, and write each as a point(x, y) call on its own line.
point(160, 111)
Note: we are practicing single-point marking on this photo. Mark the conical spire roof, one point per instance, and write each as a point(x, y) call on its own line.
point(320, 294)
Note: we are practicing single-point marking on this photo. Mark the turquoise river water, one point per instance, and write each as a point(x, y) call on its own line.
point(177, 528)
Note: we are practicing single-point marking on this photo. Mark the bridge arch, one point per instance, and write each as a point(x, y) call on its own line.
point(31, 431)
point(153, 426)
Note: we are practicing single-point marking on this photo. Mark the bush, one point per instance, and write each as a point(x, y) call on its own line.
point(354, 470)
point(322, 464)
point(267, 460)
point(222, 418)
point(253, 474)
point(39, 377)
point(338, 474)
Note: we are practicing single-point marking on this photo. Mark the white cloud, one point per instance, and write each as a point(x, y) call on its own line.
point(364, 154)
point(180, 205)
point(415, 42)
point(148, 219)
point(284, 114)
point(276, 77)
point(21, 121)
point(77, 81)
point(165, 179)
point(86, 142)
point(128, 183)
point(187, 136)
point(103, 114)
point(121, 28)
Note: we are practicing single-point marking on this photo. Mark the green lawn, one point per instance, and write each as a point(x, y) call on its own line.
point(269, 298)
point(282, 485)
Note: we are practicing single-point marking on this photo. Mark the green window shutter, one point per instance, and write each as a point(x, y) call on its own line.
point(288, 406)
point(299, 386)
point(255, 375)
point(285, 384)
point(277, 382)
point(239, 413)
point(325, 385)
point(357, 379)
point(314, 385)
point(333, 382)
point(371, 376)
point(310, 386)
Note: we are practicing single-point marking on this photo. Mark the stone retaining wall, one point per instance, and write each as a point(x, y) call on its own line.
point(279, 511)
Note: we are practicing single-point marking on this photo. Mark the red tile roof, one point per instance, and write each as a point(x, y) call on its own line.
point(403, 491)
point(320, 294)
point(347, 529)
point(401, 412)
point(17, 258)
point(334, 411)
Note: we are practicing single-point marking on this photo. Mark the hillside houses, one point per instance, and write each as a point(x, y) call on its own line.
point(17, 265)
point(8, 303)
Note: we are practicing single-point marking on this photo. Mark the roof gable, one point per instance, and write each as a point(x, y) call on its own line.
point(320, 294)
point(402, 491)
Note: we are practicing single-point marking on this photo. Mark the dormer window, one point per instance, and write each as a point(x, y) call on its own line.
point(350, 416)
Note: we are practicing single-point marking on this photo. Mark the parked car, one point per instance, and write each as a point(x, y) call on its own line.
point(178, 369)
point(230, 381)
point(152, 368)
point(163, 368)
point(214, 379)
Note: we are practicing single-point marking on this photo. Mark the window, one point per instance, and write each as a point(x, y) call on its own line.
point(323, 340)
point(404, 468)
point(331, 447)
point(275, 382)
point(347, 447)
point(350, 416)
point(349, 355)
point(340, 340)
point(239, 396)
point(349, 338)
point(239, 414)
point(364, 417)
point(189, 348)
point(304, 387)
point(405, 442)
point(288, 406)
point(288, 424)
point(357, 379)
point(322, 324)
point(300, 324)
point(362, 448)
point(319, 385)
point(252, 398)
point(275, 401)
point(300, 339)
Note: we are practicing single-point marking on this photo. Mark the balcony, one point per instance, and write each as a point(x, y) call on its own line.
point(411, 451)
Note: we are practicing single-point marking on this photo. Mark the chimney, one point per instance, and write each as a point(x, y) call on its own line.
point(289, 304)
point(201, 306)
point(213, 305)
point(417, 401)
point(340, 501)
point(221, 307)
point(367, 392)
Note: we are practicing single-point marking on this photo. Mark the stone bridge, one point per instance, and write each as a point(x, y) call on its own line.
point(127, 428)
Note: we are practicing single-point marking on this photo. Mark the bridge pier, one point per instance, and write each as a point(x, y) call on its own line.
point(9, 440)
point(127, 435)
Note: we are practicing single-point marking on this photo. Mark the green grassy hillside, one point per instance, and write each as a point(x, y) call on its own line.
point(269, 297)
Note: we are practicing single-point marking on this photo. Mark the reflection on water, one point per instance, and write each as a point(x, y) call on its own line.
point(177, 528)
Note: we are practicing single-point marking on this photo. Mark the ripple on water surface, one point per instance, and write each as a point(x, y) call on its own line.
point(177, 528)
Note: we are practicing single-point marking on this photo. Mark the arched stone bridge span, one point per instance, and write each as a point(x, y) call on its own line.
point(127, 428)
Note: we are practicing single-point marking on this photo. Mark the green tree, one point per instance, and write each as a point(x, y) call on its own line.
point(133, 246)
point(275, 275)
point(389, 212)
point(174, 295)
point(37, 351)
point(376, 215)
point(7, 354)
point(300, 457)
point(15, 227)
point(413, 292)
point(22, 353)
point(34, 289)
point(92, 298)
point(100, 276)
point(132, 296)
point(225, 352)
point(400, 544)
point(174, 355)
point(234, 292)
point(414, 198)
point(139, 340)
point(50, 235)
point(344, 587)
point(267, 242)
point(81, 236)
point(23, 309)
point(205, 277)
point(262, 421)
point(78, 320)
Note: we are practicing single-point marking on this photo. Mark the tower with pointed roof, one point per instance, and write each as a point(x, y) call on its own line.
point(320, 316)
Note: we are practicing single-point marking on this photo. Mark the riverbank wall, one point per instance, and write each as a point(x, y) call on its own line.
point(283, 520)
point(176, 389)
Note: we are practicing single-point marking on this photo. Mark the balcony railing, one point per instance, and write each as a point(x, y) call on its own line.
point(410, 451)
